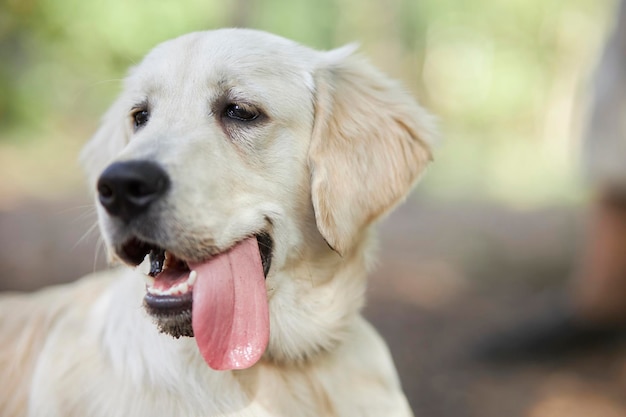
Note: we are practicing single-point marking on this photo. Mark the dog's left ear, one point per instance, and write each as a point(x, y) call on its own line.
point(369, 145)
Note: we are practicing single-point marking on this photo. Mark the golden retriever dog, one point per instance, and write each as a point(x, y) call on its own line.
point(237, 178)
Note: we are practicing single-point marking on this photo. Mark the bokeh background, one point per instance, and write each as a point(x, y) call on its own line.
point(507, 78)
point(489, 237)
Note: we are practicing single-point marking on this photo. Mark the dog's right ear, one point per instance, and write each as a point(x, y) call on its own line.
point(110, 138)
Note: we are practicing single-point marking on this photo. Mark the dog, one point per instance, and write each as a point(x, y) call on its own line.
point(237, 178)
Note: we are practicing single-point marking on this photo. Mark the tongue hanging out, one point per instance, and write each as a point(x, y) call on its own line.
point(230, 316)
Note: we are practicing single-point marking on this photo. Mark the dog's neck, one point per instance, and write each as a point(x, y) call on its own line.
point(318, 299)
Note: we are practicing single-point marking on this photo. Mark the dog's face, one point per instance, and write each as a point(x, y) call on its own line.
point(247, 169)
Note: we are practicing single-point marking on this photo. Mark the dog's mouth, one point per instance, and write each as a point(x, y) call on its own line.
point(171, 280)
point(221, 301)
point(135, 250)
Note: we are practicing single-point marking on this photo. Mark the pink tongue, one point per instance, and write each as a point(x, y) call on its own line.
point(230, 315)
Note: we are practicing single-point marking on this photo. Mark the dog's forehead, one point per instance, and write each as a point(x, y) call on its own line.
point(229, 56)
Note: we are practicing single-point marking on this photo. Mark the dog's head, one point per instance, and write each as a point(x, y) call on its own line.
point(246, 170)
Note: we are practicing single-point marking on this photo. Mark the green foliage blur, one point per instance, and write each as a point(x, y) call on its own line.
point(508, 79)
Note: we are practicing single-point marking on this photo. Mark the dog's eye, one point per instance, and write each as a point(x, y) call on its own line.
point(241, 112)
point(140, 118)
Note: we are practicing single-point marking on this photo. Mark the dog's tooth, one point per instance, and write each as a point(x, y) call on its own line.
point(193, 276)
point(155, 291)
point(149, 280)
point(144, 267)
point(179, 289)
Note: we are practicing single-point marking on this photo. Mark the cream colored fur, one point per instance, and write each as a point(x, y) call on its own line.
point(340, 146)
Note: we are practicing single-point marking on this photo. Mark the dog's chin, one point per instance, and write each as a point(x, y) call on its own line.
point(178, 325)
point(171, 315)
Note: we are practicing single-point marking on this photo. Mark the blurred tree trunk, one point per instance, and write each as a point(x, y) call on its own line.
point(605, 141)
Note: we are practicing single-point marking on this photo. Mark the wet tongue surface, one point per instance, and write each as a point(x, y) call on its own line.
point(230, 316)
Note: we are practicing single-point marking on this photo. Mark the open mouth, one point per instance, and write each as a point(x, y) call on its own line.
point(170, 282)
point(134, 251)
point(221, 301)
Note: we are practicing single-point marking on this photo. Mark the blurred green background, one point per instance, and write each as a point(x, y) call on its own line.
point(508, 80)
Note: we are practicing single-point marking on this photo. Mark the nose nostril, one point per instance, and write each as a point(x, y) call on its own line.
point(127, 189)
point(104, 190)
point(139, 189)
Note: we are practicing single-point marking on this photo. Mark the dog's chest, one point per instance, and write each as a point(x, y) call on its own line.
point(253, 396)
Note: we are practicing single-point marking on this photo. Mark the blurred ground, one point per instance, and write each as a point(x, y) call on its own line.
point(450, 276)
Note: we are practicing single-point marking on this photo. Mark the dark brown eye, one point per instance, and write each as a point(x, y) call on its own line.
point(241, 112)
point(140, 118)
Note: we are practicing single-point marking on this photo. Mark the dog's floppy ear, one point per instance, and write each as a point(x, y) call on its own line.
point(369, 145)
point(107, 142)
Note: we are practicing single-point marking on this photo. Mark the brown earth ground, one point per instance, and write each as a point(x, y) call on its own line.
point(451, 277)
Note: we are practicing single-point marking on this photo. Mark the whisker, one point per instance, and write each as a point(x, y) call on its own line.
point(99, 246)
point(85, 215)
point(85, 235)
point(91, 208)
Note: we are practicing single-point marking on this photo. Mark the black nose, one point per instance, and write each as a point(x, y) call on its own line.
point(127, 189)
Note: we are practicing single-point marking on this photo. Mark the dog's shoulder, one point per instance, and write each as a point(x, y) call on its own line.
point(357, 379)
point(371, 381)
